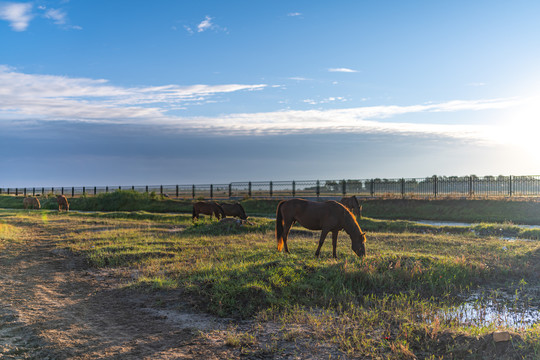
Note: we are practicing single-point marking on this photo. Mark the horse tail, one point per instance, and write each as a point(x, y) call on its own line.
point(279, 227)
point(194, 214)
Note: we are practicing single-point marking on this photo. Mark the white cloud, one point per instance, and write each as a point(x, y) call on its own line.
point(57, 15)
point(294, 14)
point(344, 70)
point(299, 78)
point(17, 14)
point(51, 98)
point(326, 100)
point(205, 24)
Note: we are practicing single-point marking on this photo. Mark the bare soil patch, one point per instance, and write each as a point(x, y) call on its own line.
point(53, 306)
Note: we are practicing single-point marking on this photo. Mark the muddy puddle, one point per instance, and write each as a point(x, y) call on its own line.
point(519, 308)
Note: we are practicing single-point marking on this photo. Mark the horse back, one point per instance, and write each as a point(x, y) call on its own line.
point(314, 215)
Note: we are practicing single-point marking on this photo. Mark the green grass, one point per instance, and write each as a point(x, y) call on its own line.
point(383, 306)
point(492, 211)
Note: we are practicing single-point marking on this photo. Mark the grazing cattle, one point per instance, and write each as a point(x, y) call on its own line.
point(351, 202)
point(62, 203)
point(234, 210)
point(328, 216)
point(31, 201)
point(207, 208)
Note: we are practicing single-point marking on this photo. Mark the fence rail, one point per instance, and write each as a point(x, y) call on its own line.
point(430, 187)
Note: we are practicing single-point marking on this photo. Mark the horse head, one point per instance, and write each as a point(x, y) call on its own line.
point(243, 215)
point(359, 244)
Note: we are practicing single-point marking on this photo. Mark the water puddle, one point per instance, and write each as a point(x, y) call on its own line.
point(518, 309)
point(457, 223)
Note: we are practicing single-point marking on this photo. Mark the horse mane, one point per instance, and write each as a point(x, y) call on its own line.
point(351, 225)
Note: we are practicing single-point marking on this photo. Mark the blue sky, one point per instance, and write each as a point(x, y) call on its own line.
point(179, 92)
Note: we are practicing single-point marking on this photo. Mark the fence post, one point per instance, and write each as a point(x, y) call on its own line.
point(510, 185)
point(106, 189)
point(132, 187)
point(16, 191)
point(42, 191)
point(33, 191)
point(211, 191)
point(73, 191)
point(318, 189)
point(271, 189)
point(119, 188)
point(24, 192)
point(146, 189)
point(62, 190)
point(161, 189)
point(249, 189)
point(402, 188)
point(84, 190)
point(344, 187)
point(176, 190)
point(470, 186)
point(230, 190)
point(372, 187)
point(52, 190)
point(293, 188)
point(435, 185)
point(193, 191)
point(95, 190)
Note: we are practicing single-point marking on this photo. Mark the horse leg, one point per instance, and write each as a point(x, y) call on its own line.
point(334, 242)
point(286, 229)
point(324, 232)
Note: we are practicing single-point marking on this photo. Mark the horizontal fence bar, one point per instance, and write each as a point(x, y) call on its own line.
point(429, 187)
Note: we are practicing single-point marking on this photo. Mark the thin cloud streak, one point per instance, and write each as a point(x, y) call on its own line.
point(343, 70)
point(53, 98)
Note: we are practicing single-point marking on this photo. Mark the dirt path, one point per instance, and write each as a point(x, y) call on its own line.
point(53, 307)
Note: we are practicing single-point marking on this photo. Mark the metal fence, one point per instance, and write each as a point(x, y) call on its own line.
point(430, 187)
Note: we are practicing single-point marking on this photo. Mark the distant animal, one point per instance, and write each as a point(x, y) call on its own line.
point(31, 201)
point(234, 210)
point(207, 208)
point(328, 216)
point(62, 203)
point(351, 202)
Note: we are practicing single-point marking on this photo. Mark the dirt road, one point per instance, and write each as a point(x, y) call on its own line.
point(53, 307)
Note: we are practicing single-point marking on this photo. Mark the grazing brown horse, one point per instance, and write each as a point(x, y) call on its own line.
point(207, 208)
point(328, 216)
point(62, 203)
point(31, 201)
point(351, 202)
point(234, 210)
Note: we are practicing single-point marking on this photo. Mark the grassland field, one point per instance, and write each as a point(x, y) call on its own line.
point(388, 305)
